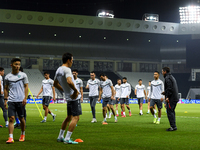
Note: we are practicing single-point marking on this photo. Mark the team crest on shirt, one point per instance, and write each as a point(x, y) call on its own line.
point(19, 76)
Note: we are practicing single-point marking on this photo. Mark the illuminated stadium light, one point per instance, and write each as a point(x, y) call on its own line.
point(189, 14)
point(151, 17)
point(105, 13)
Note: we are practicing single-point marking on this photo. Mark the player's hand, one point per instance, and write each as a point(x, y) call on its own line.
point(163, 93)
point(127, 96)
point(161, 99)
point(54, 99)
point(37, 96)
point(118, 99)
point(5, 104)
point(145, 97)
point(99, 99)
point(1, 92)
point(74, 95)
point(112, 97)
point(81, 99)
point(167, 100)
point(24, 102)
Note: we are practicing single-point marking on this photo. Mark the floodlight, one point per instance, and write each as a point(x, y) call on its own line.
point(105, 13)
point(151, 17)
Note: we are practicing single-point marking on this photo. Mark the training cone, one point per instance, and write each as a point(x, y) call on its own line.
point(78, 140)
point(185, 111)
point(1, 126)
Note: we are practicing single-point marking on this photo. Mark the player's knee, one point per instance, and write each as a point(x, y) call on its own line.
point(11, 119)
point(151, 107)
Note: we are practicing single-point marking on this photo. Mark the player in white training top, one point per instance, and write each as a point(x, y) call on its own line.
point(155, 96)
point(108, 94)
point(141, 94)
point(64, 81)
point(117, 89)
point(5, 116)
point(16, 92)
point(148, 93)
point(47, 89)
point(93, 85)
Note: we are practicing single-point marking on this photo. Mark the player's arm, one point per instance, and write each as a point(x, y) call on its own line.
point(100, 93)
point(72, 86)
point(0, 88)
point(81, 90)
point(54, 93)
point(5, 96)
point(162, 89)
point(26, 94)
point(113, 92)
point(57, 85)
point(145, 94)
point(129, 90)
point(150, 92)
point(135, 91)
point(40, 92)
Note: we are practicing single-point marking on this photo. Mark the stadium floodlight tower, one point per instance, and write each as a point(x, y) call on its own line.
point(151, 17)
point(189, 14)
point(105, 13)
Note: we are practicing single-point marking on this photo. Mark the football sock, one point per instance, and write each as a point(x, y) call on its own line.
point(141, 111)
point(45, 118)
point(11, 136)
point(159, 119)
point(154, 115)
point(117, 111)
point(124, 113)
point(68, 135)
point(52, 114)
point(61, 134)
point(23, 133)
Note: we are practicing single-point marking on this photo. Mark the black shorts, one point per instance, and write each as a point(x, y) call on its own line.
point(157, 102)
point(106, 101)
point(116, 100)
point(140, 100)
point(46, 100)
point(124, 101)
point(74, 108)
point(14, 107)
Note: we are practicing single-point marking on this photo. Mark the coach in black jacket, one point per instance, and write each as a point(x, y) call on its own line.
point(171, 97)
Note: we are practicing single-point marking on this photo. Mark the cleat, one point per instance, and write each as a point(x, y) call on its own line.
point(117, 115)
point(116, 120)
point(16, 125)
point(129, 113)
point(22, 138)
point(172, 129)
point(147, 112)
point(104, 123)
point(157, 122)
point(94, 120)
point(43, 121)
point(10, 140)
point(70, 142)
point(121, 113)
point(154, 120)
point(123, 116)
point(54, 117)
point(140, 114)
point(60, 139)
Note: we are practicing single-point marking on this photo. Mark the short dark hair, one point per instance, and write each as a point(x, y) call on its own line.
point(139, 80)
point(157, 72)
point(14, 60)
point(46, 72)
point(167, 69)
point(66, 56)
point(102, 74)
point(21, 69)
point(118, 79)
point(125, 78)
point(149, 81)
point(1, 69)
point(92, 72)
point(75, 70)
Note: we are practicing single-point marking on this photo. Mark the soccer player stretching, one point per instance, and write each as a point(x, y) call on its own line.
point(107, 92)
point(155, 96)
point(16, 84)
point(47, 88)
point(64, 81)
point(93, 85)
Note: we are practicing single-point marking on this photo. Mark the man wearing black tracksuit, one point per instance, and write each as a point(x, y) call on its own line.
point(171, 97)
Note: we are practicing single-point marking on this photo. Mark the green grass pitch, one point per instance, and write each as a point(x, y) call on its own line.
point(130, 133)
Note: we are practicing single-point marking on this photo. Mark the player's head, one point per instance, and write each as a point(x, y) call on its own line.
point(67, 58)
point(165, 70)
point(21, 69)
point(119, 81)
point(124, 79)
point(1, 71)
point(156, 75)
point(102, 76)
point(92, 75)
point(15, 64)
point(46, 75)
point(140, 81)
point(149, 83)
point(75, 73)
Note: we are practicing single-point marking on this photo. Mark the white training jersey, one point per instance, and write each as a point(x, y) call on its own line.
point(79, 84)
point(15, 83)
point(157, 87)
point(126, 90)
point(117, 89)
point(61, 76)
point(1, 80)
point(140, 90)
point(47, 85)
point(93, 87)
point(106, 88)
point(148, 90)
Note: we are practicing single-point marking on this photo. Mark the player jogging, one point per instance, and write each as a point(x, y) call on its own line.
point(140, 93)
point(117, 89)
point(155, 96)
point(16, 84)
point(93, 84)
point(107, 93)
point(47, 89)
point(125, 93)
point(64, 81)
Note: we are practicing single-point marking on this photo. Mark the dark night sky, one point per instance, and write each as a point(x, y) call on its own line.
point(168, 10)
